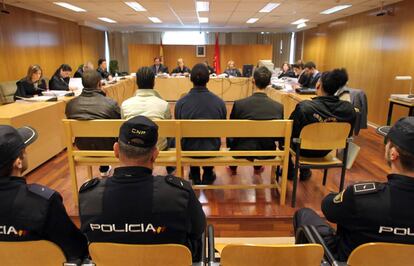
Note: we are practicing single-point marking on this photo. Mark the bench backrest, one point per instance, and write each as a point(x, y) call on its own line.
point(113, 254)
point(39, 252)
point(252, 255)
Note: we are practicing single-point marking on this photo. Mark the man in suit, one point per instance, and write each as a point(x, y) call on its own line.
point(256, 107)
point(82, 68)
point(158, 68)
point(313, 75)
point(102, 69)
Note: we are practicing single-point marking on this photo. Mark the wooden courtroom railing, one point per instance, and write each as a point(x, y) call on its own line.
point(179, 129)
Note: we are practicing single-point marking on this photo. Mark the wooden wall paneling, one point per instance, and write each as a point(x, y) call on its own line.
point(27, 37)
point(20, 42)
point(143, 55)
point(4, 73)
point(50, 43)
point(373, 49)
point(93, 45)
point(188, 53)
point(72, 46)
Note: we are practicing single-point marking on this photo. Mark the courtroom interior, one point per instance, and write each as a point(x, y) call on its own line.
point(211, 132)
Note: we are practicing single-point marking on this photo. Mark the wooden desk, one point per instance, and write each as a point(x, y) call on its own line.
point(228, 89)
point(172, 89)
point(121, 90)
point(289, 100)
point(392, 101)
point(46, 118)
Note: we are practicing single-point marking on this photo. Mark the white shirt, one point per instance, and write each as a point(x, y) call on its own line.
point(148, 103)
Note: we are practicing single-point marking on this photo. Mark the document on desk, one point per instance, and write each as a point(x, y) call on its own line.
point(76, 83)
point(56, 93)
point(38, 99)
point(402, 97)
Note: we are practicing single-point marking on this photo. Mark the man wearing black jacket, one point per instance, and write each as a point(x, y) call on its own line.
point(256, 107)
point(92, 104)
point(200, 103)
point(102, 69)
point(31, 212)
point(158, 68)
point(324, 108)
point(135, 207)
point(371, 211)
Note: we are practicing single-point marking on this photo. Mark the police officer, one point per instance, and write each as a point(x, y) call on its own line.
point(31, 211)
point(135, 207)
point(371, 211)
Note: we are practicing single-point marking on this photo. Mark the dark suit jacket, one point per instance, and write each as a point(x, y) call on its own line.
point(256, 107)
point(178, 70)
point(103, 72)
point(27, 89)
point(78, 73)
point(311, 81)
point(288, 74)
point(233, 72)
point(161, 69)
point(59, 84)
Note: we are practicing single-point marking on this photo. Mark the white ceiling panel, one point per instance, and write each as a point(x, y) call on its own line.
point(181, 14)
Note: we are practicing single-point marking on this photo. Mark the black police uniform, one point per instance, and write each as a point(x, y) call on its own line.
point(34, 212)
point(365, 212)
point(135, 207)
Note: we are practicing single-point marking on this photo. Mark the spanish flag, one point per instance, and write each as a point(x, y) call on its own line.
point(217, 56)
point(161, 51)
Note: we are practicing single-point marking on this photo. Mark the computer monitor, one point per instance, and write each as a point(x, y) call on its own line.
point(247, 71)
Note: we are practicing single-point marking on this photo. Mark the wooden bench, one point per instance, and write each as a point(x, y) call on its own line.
point(188, 128)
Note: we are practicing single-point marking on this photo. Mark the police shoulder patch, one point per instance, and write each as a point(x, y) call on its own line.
point(41, 191)
point(339, 197)
point(89, 184)
point(365, 188)
point(178, 182)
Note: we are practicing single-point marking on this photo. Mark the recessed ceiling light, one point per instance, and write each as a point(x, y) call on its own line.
point(269, 7)
point(203, 19)
point(69, 6)
point(202, 6)
point(155, 19)
point(335, 9)
point(301, 25)
point(252, 20)
point(135, 6)
point(107, 20)
point(300, 21)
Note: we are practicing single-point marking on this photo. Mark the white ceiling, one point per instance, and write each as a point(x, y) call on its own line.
point(224, 15)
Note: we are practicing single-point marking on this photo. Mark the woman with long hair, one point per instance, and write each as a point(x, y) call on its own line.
point(60, 80)
point(32, 84)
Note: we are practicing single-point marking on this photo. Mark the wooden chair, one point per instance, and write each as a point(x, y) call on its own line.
point(237, 129)
point(382, 254)
point(108, 128)
point(251, 255)
point(112, 254)
point(34, 253)
point(321, 136)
